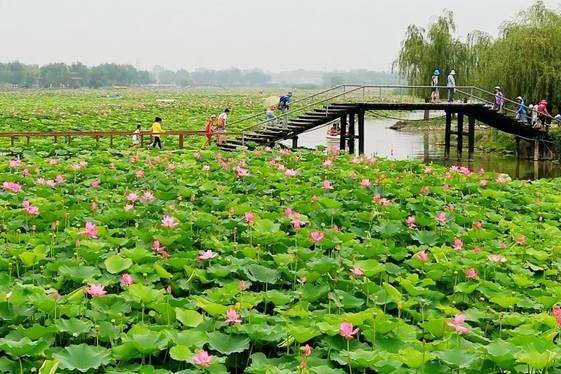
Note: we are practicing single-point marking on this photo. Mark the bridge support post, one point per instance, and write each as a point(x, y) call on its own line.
point(361, 135)
point(536, 150)
point(343, 136)
point(517, 152)
point(427, 112)
point(471, 137)
point(460, 137)
point(294, 142)
point(447, 131)
point(352, 133)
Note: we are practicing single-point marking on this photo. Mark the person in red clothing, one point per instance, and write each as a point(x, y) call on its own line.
point(543, 115)
point(209, 129)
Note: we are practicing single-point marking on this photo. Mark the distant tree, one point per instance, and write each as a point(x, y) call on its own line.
point(55, 75)
point(183, 78)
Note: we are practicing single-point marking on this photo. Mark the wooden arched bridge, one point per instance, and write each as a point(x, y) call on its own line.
point(347, 104)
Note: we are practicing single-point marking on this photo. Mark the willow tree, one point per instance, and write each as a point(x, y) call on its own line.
point(525, 59)
point(424, 50)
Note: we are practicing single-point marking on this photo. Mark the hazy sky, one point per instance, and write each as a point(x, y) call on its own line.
point(272, 35)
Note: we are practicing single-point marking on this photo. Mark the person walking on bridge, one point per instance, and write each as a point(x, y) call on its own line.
point(284, 106)
point(520, 109)
point(434, 86)
point(221, 126)
point(543, 115)
point(157, 131)
point(499, 99)
point(209, 129)
point(451, 85)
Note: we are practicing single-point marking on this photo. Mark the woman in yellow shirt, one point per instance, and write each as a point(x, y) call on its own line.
point(156, 132)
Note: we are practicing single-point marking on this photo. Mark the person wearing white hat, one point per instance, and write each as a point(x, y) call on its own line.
point(451, 85)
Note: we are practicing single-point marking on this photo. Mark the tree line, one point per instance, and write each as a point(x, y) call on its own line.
point(522, 60)
point(76, 75)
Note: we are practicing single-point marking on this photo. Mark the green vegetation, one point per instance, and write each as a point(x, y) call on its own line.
point(274, 262)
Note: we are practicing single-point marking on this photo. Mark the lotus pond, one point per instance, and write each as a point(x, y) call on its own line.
point(274, 262)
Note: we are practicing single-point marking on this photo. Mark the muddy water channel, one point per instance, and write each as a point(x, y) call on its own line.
point(428, 146)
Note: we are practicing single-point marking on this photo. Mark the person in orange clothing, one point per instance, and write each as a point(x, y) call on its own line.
point(157, 131)
point(209, 129)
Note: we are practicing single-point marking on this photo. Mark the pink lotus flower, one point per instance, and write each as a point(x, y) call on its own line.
point(170, 166)
point(306, 350)
point(95, 183)
point(206, 255)
point(327, 164)
point(316, 236)
point(93, 206)
point(425, 190)
point(346, 330)
point(428, 170)
point(164, 254)
point(203, 359)
point(471, 273)
point(477, 249)
point(521, 240)
point(79, 165)
point(557, 314)
point(96, 290)
point(296, 222)
point(139, 174)
point(483, 182)
point(157, 246)
point(327, 185)
point(423, 256)
point(356, 161)
point(233, 317)
point(458, 324)
point(501, 179)
point(26, 172)
point(128, 207)
point(90, 230)
point(170, 222)
point(53, 161)
point(112, 165)
point(132, 197)
point(458, 244)
point(353, 174)
point(441, 218)
point(243, 285)
point(12, 187)
point(206, 168)
point(357, 272)
point(197, 155)
point(59, 179)
point(477, 225)
point(126, 280)
point(365, 183)
point(314, 198)
point(497, 259)
point(30, 208)
point(15, 163)
point(249, 217)
point(148, 196)
point(290, 172)
point(411, 222)
point(241, 172)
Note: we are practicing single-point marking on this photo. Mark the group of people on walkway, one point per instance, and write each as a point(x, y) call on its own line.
point(537, 115)
point(217, 125)
point(156, 130)
point(450, 86)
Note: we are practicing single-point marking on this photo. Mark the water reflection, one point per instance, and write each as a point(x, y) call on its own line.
point(429, 147)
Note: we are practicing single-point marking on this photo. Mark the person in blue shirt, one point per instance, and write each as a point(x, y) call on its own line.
point(520, 109)
point(284, 106)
